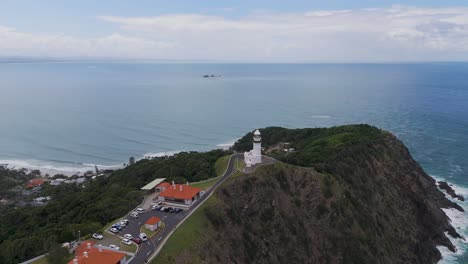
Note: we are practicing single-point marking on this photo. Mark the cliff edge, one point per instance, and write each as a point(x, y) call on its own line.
point(349, 194)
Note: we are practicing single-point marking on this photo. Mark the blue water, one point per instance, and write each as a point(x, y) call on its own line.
point(64, 115)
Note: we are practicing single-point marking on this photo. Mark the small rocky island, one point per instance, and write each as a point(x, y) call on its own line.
point(211, 76)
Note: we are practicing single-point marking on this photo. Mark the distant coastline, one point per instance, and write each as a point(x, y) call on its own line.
point(77, 168)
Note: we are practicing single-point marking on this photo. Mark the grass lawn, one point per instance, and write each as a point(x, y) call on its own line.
point(221, 165)
point(205, 184)
point(40, 261)
point(186, 235)
point(240, 164)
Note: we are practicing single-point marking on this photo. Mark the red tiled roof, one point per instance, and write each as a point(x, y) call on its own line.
point(164, 184)
point(95, 256)
point(153, 220)
point(35, 182)
point(187, 192)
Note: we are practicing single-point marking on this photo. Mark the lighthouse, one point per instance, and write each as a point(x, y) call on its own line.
point(255, 155)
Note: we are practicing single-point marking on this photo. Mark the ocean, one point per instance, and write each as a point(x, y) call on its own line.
point(67, 117)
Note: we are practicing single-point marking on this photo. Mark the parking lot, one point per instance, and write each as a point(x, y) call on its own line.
point(169, 220)
point(133, 228)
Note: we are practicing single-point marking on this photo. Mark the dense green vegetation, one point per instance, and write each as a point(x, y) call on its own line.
point(11, 178)
point(30, 231)
point(313, 146)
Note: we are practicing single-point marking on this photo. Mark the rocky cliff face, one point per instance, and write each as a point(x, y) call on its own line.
point(360, 198)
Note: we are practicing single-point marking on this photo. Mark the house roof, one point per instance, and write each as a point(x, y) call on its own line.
point(153, 220)
point(180, 191)
point(164, 184)
point(35, 182)
point(152, 184)
point(95, 256)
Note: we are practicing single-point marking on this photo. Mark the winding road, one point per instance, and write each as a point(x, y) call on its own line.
point(150, 248)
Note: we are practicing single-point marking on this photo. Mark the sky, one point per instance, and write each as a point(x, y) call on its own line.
point(237, 31)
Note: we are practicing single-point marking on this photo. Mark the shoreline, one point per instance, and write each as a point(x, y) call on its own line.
point(76, 168)
point(459, 220)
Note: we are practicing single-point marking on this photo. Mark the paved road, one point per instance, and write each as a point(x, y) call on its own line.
point(171, 220)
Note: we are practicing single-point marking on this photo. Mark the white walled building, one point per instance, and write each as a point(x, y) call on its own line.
point(255, 155)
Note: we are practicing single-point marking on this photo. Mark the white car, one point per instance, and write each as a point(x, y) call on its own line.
point(122, 223)
point(125, 221)
point(140, 210)
point(126, 241)
point(162, 209)
point(98, 236)
point(128, 236)
point(143, 237)
point(114, 230)
point(114, 247)
point(134, 214)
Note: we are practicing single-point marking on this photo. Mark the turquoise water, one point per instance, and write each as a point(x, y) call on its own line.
point(71, 115)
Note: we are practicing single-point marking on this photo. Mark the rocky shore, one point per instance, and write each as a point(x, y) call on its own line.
point(450, 191)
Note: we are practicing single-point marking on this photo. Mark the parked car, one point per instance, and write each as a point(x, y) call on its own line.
point(162, 209)
point(126, 241)
point(125, 221)
point(118, 226)
point(136, 240)
point(156, 207)
point(122, 223)
point(114, 230)
point(167, 209)
point(114, 247)
point(177, 210)
point(135, 215)
point(160, 202)
point(140, 210)
point(143, 237)
point(128, 236)
point(98, 236)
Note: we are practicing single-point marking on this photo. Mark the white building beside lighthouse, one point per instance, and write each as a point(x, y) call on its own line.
point(255, 155)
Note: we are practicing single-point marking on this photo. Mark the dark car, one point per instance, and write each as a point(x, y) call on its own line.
point(177, 210)
point(171, 210)
point(167, 209)
point(136, 240)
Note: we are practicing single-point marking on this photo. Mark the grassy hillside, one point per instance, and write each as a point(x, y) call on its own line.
point(357, 197)
point(221, 165)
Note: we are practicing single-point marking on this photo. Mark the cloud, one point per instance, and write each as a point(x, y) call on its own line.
point(15, 43)
point(397, 33)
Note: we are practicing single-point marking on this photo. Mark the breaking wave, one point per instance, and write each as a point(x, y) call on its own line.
point(459, 221)
point(55, 167)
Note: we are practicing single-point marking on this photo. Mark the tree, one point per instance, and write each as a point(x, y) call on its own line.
point(57, 254)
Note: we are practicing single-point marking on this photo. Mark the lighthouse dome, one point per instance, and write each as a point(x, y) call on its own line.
point(257, 133)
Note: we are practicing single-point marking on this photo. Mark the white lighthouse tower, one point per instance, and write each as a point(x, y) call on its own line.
point(255, 155)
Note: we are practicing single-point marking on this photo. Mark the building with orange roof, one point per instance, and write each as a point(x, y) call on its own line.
point(35, 183)
point(180, 193)
point(87, 253)
point(162, 186)
point(153, 223)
